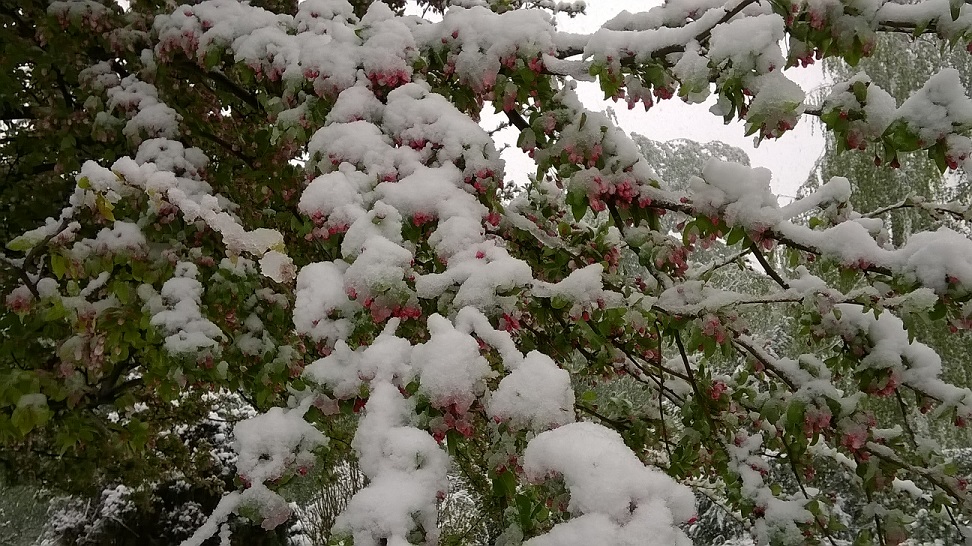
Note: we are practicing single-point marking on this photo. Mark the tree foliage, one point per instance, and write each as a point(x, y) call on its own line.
point(294, 206)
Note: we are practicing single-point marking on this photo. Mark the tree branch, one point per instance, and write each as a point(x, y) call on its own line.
point(767, 267)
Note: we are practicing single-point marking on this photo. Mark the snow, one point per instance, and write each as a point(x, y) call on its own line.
point(274, 442)
point(277, 266)
point(451, 371)
point(915, 364)
point(394, 158)
point(320, 293)
point(186, 329)
point(938, 107)
point(536, 395)
point(337, 192)
point(407, 472)
point(748, 44)
point(879, 107)
point(780, 515)
point(611, 492)
point(735, 192)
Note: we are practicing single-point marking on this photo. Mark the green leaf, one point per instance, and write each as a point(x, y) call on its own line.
point(504, 484)
point(920, 27)
point(735, 235)
point(124, 292)
point(105, 208)
point(58, 265)
point(21, 244)
point(524, 507)
point(860, 91)
point(68, 142)
point(863, 538)
point(937, 153)
point(213, 57)
point(794, 415)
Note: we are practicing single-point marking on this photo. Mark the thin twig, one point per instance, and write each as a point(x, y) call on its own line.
point(767, 267)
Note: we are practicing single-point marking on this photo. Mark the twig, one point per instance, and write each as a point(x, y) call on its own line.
point(34, 252)
point(762, 358)
point(767, 267)
point(796, 474)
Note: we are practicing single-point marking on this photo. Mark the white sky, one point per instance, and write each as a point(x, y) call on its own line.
point(789, 158)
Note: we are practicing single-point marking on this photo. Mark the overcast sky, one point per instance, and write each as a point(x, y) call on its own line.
point(789, 158)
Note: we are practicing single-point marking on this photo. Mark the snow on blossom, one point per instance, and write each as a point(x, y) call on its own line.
point(692, 70)
point(479, 279)
point(777, 104)
point(380, 268)
point(381, 222)
point(749, 43)
point(929, 258)
point(651, 524)
point(695, 297)
point(407, 472)
point(187, 192)
point(778, 516)
point(277, 266)
point(471, 320)
point(338, 371)
point(120, 238)
point(880, 108)
point(451, 371)
point(917, 365)
point(186, 329)
point(150, 118)
point(336, 194)
point(740, 194)
point(432, 191)
point(480, 40)
point(320, 292)
point(583, 286)
point(172, 155)
point(614, 41)
point(937, 258)
point(417, 116)
point(272, 443)
point(388, 48)
point(938, 107)
point(344, 371)
point(360, 143)
point(356, 103)
point(835, 190)
point(604, 477)
point(537, 395)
